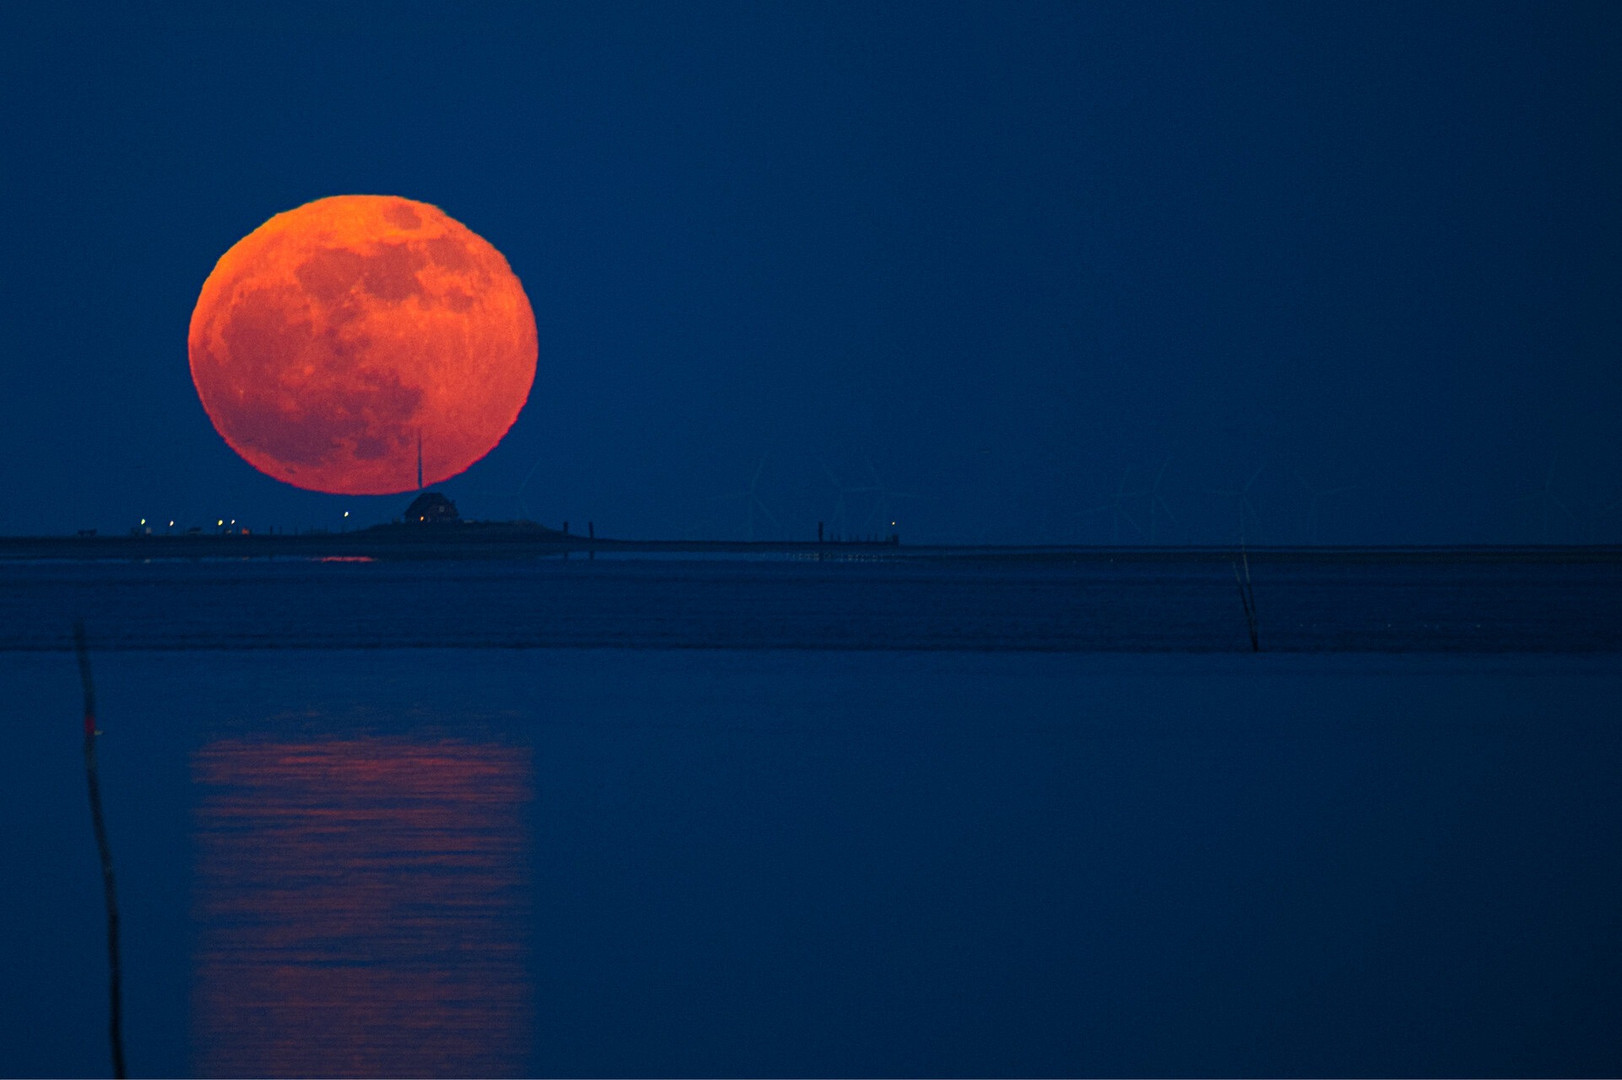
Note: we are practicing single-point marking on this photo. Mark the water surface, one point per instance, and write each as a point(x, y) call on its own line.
point(721, 861)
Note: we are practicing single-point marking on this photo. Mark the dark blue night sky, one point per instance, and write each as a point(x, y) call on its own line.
point(1009, 259)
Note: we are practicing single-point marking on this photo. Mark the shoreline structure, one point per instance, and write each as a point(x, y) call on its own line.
point(525, 540)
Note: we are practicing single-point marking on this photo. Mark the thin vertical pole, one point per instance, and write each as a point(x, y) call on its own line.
point(1247, 597)
point(115, 1033)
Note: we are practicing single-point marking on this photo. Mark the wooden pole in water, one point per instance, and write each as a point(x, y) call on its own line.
point(114, 997)
point(1247, 597)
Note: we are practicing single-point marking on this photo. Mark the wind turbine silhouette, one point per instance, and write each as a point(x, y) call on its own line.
point(1157, 502)
point(517, 494)
point(1315, 494)
point(1244, 505)
point(1603, 512)
point(1116, 507)
point(839, 522)
point(1547, 500)
point(751, 502)
point(883, 501)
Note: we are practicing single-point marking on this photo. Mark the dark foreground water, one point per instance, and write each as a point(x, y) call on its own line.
point(1523, 600)
point(869, 854)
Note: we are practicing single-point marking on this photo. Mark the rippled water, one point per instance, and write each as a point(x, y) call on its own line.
point(362, 906)
point(888, 858)
point(1425, 601)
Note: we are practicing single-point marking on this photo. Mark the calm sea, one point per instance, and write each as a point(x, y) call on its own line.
point(1012, 817)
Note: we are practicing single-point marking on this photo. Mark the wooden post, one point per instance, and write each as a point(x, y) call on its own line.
point(109, 890)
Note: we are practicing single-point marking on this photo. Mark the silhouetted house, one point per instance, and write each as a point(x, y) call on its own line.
point(431, 508)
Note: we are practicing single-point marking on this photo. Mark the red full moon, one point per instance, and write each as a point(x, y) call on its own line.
point(333, 340)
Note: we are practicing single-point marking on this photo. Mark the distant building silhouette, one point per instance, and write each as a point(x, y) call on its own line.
point(431, 508)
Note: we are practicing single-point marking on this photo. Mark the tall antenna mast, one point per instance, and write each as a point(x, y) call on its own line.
point(419, 460)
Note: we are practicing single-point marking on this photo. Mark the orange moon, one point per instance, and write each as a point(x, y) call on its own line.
point(332, 338)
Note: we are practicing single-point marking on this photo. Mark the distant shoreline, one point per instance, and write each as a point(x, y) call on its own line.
point(474, 540)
